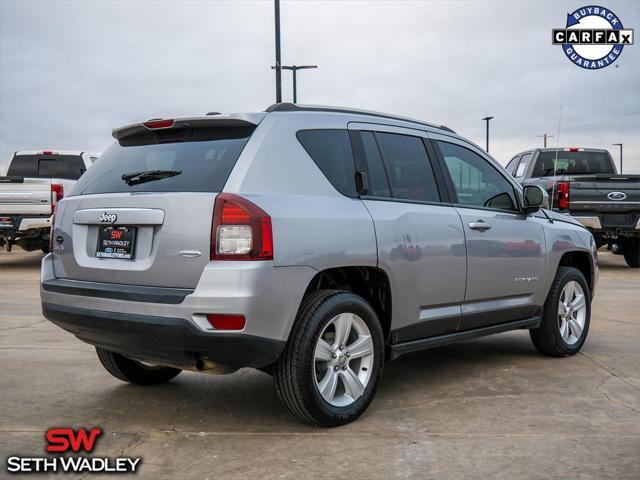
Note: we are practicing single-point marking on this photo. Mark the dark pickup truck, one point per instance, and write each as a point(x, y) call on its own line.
point(584, 183)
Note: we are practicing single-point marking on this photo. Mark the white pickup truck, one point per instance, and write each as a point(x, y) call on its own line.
point(34, 183)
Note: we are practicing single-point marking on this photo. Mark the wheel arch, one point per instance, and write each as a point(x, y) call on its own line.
point(371, 283)
point(580, 260)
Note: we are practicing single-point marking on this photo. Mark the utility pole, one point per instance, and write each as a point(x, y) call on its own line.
point(486, 119)
point(294, 69)
point(545, 136)
point(276, 4)
point(619, 145)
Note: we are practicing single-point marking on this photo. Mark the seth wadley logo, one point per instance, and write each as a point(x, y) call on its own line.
point(67, 442)
point(593, 37)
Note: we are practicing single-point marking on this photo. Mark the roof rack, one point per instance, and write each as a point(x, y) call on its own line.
point(292, 107)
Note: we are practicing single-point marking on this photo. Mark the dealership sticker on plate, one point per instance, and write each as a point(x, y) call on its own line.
point(593, 37)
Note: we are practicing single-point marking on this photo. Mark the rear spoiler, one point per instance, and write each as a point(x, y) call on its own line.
point(12, 179)
point(217, 120)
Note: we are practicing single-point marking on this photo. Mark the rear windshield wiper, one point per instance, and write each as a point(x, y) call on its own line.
point(135, 178)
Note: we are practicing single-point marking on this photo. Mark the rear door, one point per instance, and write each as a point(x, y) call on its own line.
point(419, 234)
point(505, 249)
point(152, 230)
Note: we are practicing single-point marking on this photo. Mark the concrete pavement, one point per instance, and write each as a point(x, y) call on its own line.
point(484, 408)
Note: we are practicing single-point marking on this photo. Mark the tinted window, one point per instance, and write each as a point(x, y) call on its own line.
point(511, 166)
point(476, 182)
point(331, 151)
point(47, 166)
point(572, 163)
point(409, 169)
point(205, 158)
point(378, 183)
point(522, 166)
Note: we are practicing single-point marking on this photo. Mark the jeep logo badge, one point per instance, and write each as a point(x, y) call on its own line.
point(616, 196)
point(108, 217)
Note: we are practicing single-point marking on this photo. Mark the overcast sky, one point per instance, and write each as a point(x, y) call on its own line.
point(70, 71)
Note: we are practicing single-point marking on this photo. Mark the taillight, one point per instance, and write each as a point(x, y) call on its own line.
point(57, 193)
point(240, 231)
point(53, 226)
point(562, 195)
point(226, 322)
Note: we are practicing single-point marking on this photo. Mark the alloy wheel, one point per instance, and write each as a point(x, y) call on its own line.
point(343, 359)
point(572, 312)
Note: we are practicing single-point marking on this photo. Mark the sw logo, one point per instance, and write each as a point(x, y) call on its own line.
point(63, 439)
point(69, 441)
point(593, 37)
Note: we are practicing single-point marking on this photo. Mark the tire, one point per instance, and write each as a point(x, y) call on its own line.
point(132, 371)
point(548, 339)
point(298, 373)
point(45, 249)
point(632, 252)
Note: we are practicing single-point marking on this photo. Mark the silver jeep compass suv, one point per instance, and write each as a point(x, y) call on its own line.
point(313, 243)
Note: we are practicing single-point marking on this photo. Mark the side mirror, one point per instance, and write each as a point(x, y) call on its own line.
point(535, 198)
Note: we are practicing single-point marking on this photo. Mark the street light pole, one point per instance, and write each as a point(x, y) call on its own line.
point(276, 4)
point(619, 145)
point(486, 119)
point(294, 69)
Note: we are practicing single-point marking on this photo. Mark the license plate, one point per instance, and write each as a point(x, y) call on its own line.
point(116, 242)
point(619, 220)
point(5, 222)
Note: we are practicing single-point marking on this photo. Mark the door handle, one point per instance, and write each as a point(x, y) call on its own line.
point(479, 225)
point(190, 253)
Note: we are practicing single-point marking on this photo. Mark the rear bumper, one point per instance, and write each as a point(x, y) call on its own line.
point(595, 224)
point(140, 321)
point(171, 341)
point(21, 224)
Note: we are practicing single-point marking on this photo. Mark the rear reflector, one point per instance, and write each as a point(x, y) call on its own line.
point(158, 124)
point(225, 321)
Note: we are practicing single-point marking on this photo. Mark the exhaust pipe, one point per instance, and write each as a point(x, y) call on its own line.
point(207, 366)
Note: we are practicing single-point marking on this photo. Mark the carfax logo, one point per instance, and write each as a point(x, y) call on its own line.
point(593, 38)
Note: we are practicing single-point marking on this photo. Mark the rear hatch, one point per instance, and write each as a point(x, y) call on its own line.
point(142, 214)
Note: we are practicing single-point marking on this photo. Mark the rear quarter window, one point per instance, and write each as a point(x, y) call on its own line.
point(331, 151)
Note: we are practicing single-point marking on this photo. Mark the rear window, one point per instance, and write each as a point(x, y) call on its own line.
point(331, 151)
point(70, 167)
point(572, 163)
point(204, 158)
point(408, 166)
